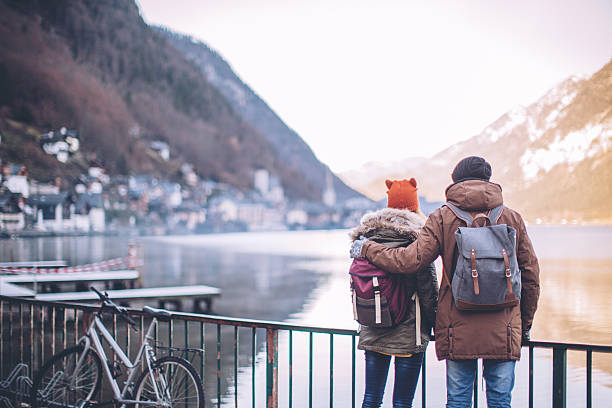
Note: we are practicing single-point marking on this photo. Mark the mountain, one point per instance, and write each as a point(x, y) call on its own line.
point(98, 67)
point(291, 149)
point(553, 157)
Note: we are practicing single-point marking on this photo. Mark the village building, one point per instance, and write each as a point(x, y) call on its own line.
point(15, 179)
point(329, 195)
point(226, 207)
point(61, 143)
point(89, 214)
point(189, 174)
point(161, 148)
point(12, 218)
point(50, 211)
point(296, 218)
point(44, 188)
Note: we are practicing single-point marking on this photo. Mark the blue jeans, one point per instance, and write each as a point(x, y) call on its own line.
point(460, 374)
point(407, 370)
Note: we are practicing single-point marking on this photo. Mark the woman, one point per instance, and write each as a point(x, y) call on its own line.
point(398, 225)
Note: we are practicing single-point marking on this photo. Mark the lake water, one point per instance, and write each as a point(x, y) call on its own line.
point(301, 277)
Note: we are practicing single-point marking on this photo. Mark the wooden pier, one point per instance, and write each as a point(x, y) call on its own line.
point(122, 285)
point(8, 289)
point(34, 264)
point(53, 281)
point(172, 294)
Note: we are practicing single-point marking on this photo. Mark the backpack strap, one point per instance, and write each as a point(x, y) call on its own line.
point(417, 318)
point(494, 214)
point(377, 305)
point(354, 297)
point(464, 215)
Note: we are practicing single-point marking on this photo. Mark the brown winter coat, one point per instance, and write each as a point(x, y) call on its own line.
point(465, 334)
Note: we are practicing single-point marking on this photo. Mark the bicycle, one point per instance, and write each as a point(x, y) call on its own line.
point(72, 377)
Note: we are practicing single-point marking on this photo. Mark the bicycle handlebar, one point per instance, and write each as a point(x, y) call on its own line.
point(109, 303)
point(102, 296)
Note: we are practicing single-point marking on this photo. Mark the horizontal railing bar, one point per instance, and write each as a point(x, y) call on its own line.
point(598, 348)
point(232, 321)
point(240, 322)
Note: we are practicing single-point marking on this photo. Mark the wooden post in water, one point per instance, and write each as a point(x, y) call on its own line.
point(135, 260)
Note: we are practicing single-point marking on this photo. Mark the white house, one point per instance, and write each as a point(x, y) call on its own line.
point(261, 181)
point(296, 217)
point(275, 193)
point(50, 210)
point(189, 174)
point(89, 214)
point(329, 195)
point(226, 207)
point(60, 144)
point(18, 184)
point(162, 149)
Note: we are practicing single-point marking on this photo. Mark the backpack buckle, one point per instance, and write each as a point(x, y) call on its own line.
point(474, 272)
point(505, 254)
point(473, 259)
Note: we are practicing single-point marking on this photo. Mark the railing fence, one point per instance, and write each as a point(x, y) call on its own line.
point(32, 331)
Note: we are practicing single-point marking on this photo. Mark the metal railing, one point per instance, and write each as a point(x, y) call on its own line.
point(32, 331)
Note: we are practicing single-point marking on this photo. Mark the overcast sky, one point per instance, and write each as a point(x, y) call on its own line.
point(385, 80)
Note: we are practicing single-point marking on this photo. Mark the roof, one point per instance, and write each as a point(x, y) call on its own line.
point(47, 199)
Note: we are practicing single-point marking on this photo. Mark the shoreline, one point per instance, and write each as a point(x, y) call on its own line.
point(135, 232)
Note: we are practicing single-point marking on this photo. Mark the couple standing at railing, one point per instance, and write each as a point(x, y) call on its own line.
point(487, 298)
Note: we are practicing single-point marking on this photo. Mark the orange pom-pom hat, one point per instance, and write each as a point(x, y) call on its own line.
point(402, 194)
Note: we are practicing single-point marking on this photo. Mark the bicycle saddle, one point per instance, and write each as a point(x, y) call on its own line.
point(159, 313)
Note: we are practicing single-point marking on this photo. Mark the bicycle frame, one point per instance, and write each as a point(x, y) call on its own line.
point(92, 341)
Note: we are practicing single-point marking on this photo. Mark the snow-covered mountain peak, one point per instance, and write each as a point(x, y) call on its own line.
point(558, 145)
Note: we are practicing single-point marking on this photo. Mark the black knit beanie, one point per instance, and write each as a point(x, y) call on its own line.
point(472, 168)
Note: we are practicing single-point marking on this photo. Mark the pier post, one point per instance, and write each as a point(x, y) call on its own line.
point(135, 261)
point(272, 368)
point(559, 377)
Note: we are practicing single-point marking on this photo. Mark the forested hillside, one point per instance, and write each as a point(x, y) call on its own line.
point(96, 66)
point(291, 149)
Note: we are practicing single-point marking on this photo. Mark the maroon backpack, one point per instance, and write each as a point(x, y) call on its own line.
point(379, 298)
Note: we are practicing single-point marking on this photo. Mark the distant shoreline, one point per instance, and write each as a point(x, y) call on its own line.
point(135, 232)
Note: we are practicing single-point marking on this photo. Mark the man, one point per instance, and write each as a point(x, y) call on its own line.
point(462, 337)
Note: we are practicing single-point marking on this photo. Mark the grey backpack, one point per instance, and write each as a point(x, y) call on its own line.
point(486, 276)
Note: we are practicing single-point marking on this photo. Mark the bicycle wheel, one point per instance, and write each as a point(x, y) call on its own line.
point(173, 382)
point(60, 383)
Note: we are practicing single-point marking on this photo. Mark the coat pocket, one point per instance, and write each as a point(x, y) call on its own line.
point(368, 314)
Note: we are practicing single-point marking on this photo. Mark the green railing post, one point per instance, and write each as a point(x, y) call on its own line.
point(589, 379)
point(272, 368)
point(559, 377)
point(476, 386)
point(531, 352)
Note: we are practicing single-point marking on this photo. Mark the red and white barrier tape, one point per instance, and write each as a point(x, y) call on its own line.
point(126, 262)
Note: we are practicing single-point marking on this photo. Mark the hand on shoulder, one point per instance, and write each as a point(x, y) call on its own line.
point(356, 247)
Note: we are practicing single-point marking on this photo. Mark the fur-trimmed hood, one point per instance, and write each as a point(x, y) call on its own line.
point(404, 222)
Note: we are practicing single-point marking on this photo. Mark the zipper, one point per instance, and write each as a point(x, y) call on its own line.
point(508, 339)
point(451, 342)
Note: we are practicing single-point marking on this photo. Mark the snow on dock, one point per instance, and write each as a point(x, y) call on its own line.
point(170, 294)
